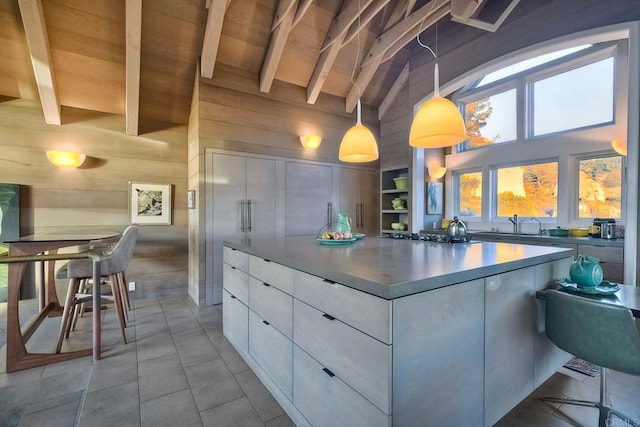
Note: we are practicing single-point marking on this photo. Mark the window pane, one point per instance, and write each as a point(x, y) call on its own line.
point(491, 120)
point(600, 188)
point(574, 99)
point(528, 190)
point(470, 194)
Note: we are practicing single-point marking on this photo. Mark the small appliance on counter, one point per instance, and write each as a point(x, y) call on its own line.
point(603, 228)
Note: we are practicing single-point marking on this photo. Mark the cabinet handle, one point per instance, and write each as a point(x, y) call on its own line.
point(331, 282)
point(362, 215)
point(249, 215)
point(328, 316)
point(329, 211)
point(265, 322)
point(242, 202)
point(328, 372)
point(232, 267)
point(266, 284)
point(232, 296)
point(266, 260)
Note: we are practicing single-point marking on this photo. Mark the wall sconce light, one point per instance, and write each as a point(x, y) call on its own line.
point(436, 171)
point(620, 145)
point(311, 141)
point(66, 159)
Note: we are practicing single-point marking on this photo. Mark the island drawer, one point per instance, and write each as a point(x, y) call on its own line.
point(365, 312)
point(325, 400)
point(359, 360)
point(272, 304)
point(237, 258)
point(272, 351)
point(235, 322)
point(236, 282)
point(272, 273)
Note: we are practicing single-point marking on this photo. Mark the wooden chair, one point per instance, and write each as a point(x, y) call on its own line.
point(112, 266)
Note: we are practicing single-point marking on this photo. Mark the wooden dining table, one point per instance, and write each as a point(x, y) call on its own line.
point(41, 248)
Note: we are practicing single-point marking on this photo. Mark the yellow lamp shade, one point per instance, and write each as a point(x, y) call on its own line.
point(436, 171)
point(620, 146)
point(358, 145)
point(438, 124)
point(66, 159)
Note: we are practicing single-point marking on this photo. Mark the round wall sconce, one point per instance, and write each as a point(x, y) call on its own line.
point(436, 171)
point(66, 159)
point(311, 141)
point(620, 145)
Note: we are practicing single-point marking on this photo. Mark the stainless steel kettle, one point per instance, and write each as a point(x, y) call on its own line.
point(457, 230)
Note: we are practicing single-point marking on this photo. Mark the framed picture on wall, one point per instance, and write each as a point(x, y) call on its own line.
point(149, 203)
point(434, 198)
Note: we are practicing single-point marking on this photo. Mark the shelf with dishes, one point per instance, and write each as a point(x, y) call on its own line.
point(395, 199)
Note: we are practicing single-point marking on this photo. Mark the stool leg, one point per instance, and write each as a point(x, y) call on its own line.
point(66, 312)
point(78, 309)
point(125, 290)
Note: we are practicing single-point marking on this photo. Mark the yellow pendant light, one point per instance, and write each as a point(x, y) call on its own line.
point(358, 144)
point(438, 123)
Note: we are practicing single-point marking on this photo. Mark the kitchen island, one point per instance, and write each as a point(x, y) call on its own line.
point(391, 332)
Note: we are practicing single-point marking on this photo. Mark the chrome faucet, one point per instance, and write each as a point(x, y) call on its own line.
point(514, 221)
point(539, 225)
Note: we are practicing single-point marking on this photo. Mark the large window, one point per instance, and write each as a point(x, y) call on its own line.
point(528, 190)
point(600, 187)
point(470, 194)
point(539, 140)
point(573, 99)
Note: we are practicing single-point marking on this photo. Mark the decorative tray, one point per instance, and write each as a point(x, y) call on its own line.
point(358, 236)
point(335, 242)
point(604, 288)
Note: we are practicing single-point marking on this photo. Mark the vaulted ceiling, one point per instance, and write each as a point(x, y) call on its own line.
point(140, 59)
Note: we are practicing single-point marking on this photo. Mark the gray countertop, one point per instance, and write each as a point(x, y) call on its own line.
point(547, 240)
point(391, 268)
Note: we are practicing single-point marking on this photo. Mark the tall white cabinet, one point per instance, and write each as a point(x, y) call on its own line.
point(241, 199)
point(252, 195)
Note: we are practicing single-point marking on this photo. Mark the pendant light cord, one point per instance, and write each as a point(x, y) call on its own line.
point(355, 65)
point(433, 3)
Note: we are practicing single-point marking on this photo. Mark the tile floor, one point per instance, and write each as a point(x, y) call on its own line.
point(179, 370)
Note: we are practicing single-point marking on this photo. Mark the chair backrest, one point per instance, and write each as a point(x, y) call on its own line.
point(602, 333)
point(119, 258)
point(114, 260)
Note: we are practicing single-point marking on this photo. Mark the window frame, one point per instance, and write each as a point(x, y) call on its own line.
point(455, 176)
point(575, 214)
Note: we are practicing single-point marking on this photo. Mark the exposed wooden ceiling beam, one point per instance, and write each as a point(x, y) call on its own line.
point(406, 26)
point(404, 40)
point(365, 18)
point(394, 91)
point(341, 23)
point(133, 24)
point(366, 73)
point(410, 5)
point(35, 29)
point(328, 56)
point(284, 8)
point(212, 32)
point(302, 9)
point(286, 11)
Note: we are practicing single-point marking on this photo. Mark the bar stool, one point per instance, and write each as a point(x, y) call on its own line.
point(600, 333)
point(112, 265)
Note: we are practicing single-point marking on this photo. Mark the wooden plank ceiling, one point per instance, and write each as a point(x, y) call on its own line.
point(138, 58)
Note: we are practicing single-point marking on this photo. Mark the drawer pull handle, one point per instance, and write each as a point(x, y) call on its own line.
point(266, 260)
point(328, 316)
point(266, 284)
point(232, 267)
point(233, 249)
point(328, 372)
point(329, 281)
point(265, 322)
point(232, 296)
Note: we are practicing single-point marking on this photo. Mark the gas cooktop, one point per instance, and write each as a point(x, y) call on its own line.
point(438, 238)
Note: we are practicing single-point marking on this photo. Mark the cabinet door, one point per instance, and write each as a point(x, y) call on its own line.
point(611, 260)
point(261, 190)
point(227, 188)
point(509, 341)
point(359, 198)
point(308, 189)
point(235, 322)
